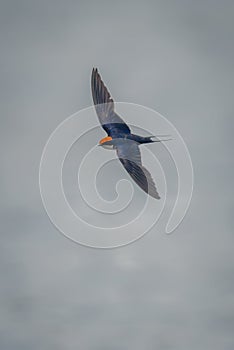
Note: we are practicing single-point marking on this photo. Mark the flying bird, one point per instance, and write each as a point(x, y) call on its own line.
point(120, 137)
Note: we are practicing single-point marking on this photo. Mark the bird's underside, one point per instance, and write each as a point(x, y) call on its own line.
point(120, 137)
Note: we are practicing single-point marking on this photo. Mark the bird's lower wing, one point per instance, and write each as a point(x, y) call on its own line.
point(129, 155)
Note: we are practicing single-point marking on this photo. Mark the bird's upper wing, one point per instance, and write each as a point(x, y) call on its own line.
point(104, 106)
point(129, 154)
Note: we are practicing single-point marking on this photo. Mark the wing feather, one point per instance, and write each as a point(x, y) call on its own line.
point(130, 157)
point(104, 105)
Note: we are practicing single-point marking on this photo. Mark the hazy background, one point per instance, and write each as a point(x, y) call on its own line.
point(162, 292)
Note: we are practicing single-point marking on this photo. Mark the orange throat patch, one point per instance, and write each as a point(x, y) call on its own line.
point(105, 139)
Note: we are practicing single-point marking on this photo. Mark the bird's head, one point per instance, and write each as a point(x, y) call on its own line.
point(107, 143)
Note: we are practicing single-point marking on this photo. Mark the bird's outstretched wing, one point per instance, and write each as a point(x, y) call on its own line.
point(129, 155)
point(104, 105)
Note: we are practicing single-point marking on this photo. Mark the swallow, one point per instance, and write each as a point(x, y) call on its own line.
point(120, 138)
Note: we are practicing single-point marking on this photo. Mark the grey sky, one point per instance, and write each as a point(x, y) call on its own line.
point(161, 292)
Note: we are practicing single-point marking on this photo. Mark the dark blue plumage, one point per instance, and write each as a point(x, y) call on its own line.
point(120, 137)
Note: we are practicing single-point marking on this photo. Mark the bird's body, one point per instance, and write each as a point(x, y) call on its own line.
point(109, 140)
point(120, 137)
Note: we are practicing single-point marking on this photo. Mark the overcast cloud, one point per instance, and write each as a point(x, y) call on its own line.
point(162, 292)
